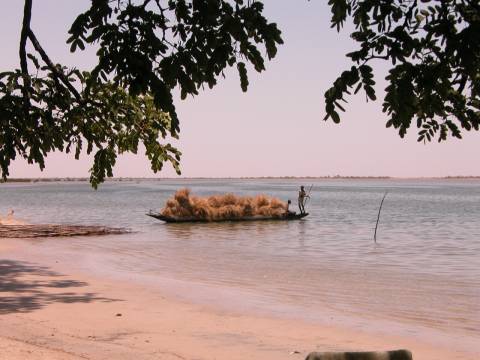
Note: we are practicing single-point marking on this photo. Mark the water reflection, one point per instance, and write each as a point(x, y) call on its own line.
point(228, 229)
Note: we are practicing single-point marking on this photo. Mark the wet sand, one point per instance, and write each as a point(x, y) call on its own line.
point(50, 310)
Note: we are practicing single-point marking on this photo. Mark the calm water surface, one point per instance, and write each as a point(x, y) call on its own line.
point(424, 270)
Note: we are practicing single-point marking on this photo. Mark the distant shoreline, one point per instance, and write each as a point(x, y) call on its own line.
point(336, 177)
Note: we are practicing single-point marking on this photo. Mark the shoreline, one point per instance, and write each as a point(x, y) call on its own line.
point(50, 310)
point(326, 177)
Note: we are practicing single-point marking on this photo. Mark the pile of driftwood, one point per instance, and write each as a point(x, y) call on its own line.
point(48, 230)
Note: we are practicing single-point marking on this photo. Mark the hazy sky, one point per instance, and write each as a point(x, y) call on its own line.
point(276, 128)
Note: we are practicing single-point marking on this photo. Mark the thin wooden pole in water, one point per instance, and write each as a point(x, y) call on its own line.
point(378, 217)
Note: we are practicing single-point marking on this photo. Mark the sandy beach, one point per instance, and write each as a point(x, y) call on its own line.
point(50, 312)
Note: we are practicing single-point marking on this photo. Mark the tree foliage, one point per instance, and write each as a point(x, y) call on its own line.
point(149, 48)
point(433, 51)
point(146, 49)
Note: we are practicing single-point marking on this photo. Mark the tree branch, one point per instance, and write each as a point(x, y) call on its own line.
point(463, 82)
point(59, 75)
point(27, 16)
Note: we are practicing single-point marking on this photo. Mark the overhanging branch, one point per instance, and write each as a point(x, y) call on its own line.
point(59, 75)
point(27, 16)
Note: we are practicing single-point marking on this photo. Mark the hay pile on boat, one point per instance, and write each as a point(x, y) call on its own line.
point(222, 207)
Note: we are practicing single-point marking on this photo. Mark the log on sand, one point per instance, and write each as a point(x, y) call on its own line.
point(50, 230)
point(373, 355)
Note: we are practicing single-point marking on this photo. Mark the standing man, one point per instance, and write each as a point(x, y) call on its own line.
point(302, 195)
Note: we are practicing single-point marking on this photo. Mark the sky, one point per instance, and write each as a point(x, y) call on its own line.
point(276, 128)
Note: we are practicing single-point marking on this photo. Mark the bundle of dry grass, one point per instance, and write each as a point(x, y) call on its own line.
point(221, 207)
point(49, 230)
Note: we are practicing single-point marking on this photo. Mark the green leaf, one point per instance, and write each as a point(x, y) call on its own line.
point(34, 60)
point(370, 93)
point(242, 71)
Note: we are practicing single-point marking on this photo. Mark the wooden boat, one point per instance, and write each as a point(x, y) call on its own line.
point(168, 219)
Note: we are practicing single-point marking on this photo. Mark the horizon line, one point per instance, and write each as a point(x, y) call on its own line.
point(342, 177)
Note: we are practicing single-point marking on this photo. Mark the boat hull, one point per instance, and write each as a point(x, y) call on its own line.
point(169, 219)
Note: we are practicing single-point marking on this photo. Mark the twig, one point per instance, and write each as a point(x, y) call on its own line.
point(378, 217)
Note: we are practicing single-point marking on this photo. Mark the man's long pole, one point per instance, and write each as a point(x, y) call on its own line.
point(308, 195)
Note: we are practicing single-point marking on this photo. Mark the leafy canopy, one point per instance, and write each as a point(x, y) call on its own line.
point(433, 49)
point(146, 49)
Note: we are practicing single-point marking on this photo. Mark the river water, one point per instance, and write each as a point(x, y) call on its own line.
point(422, 274)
